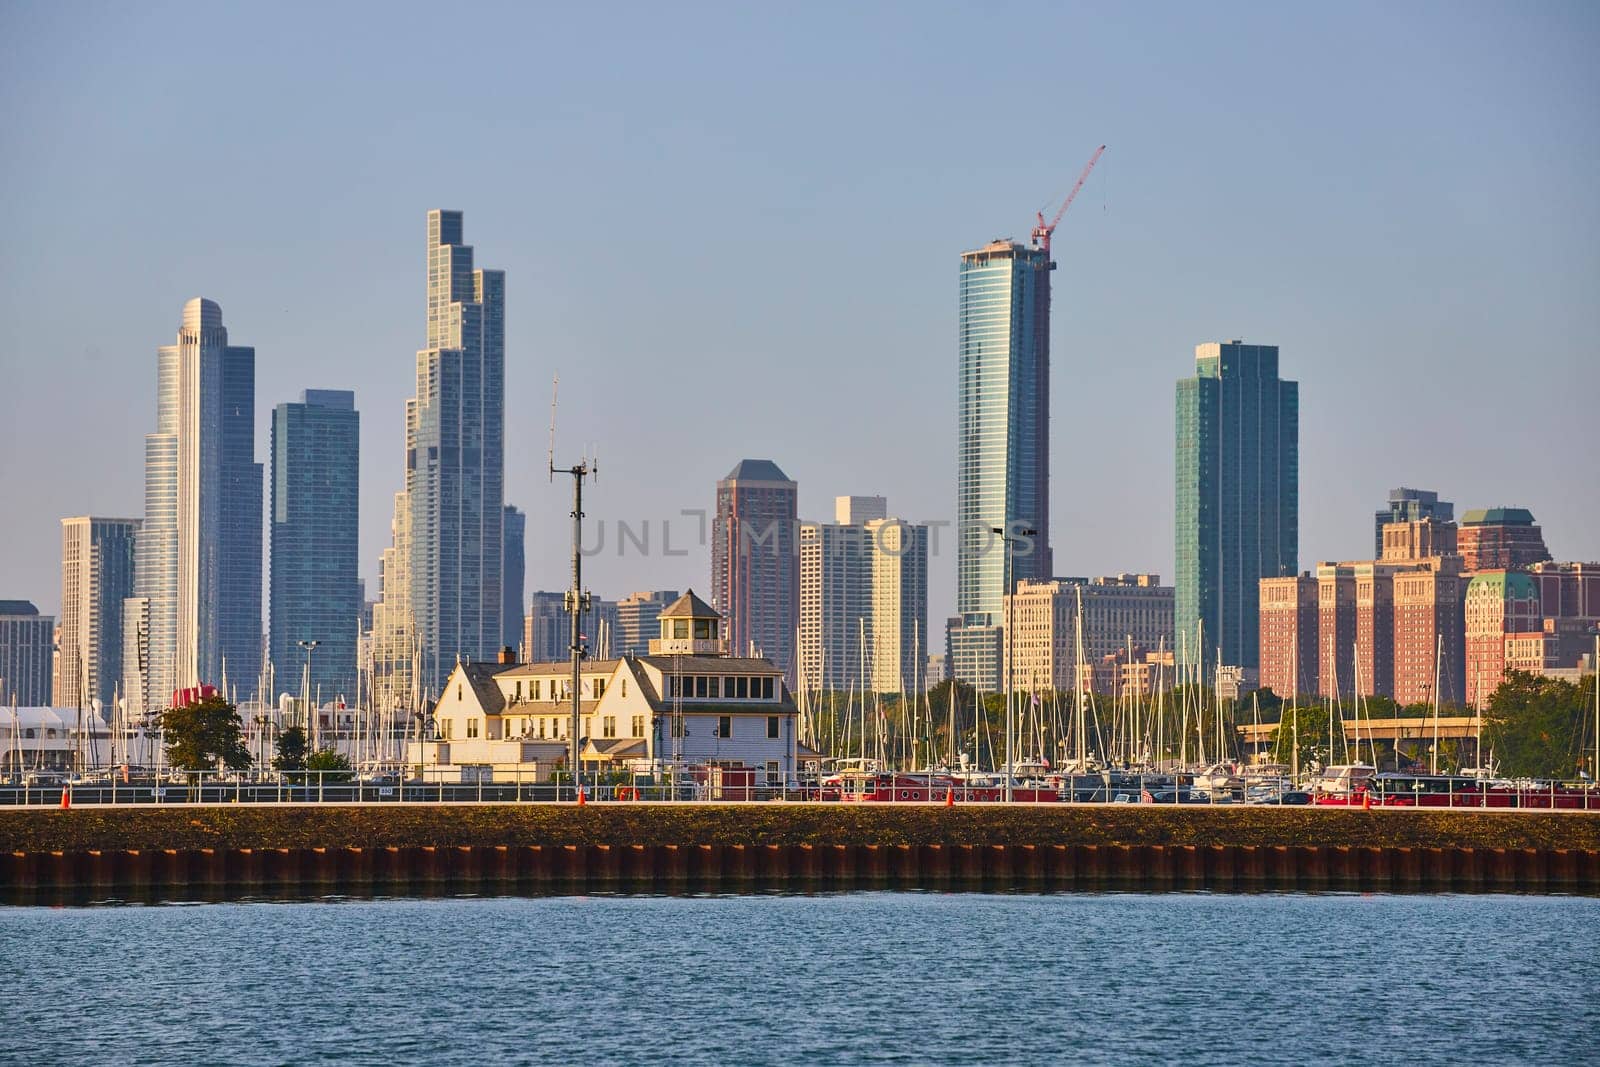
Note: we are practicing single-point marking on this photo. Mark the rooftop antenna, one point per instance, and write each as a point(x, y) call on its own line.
point(577, 601)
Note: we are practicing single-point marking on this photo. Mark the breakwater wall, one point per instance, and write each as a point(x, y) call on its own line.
point(209, 852)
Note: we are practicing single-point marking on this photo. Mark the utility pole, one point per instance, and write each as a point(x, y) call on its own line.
point(577, 601)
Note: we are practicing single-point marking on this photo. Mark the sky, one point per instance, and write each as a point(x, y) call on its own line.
point(734, 231)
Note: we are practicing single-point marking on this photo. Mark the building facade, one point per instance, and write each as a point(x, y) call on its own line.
point(636, 619)
point(1497, 604)
point(1237, 496)
point(197, 570)
point(513, 569)
point(1290, 623)
point(315, 585)
point(1500, 538)
point(27, 646)
point(443, 583)
point(755, 573)
point(547, 629)
point(96, 577)
point(1336, 629)
point(1003, 443)
point(1408, 505)
point(1429, 634)
point(1118, 612)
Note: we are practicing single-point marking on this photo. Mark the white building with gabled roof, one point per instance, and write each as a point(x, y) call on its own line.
point(686, 704)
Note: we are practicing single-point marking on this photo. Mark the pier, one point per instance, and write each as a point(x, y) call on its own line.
point(218, 852)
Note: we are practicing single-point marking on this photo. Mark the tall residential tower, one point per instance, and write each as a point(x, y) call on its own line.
point(1238, 497)
point(96, 577)
point(1003, 443)
point(442, 582)
point(755, 573)
point(316, 583)
point(195, 614)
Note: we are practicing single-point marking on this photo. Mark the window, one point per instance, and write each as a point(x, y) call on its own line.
point(472, 727)
point(624, 687)
point(724, 725)
point(716, 687)
point(700, 687)
point(773, 774)
point(516, 697)
point(458, 691)
point(680, 629)
point(729, 687)
point(608, 726)
point(588, 726)
point(744, 688)
point(448, 725)
point(766, 688)
point(772, 726)
point(599, 688)
point(638, 726)
point(541, 726)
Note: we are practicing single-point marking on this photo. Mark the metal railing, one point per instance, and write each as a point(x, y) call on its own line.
point(342, 788)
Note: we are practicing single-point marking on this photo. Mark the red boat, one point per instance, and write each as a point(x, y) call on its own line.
point(868, 787)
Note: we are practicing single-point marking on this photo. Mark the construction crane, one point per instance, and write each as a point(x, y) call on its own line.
point(1042, 232)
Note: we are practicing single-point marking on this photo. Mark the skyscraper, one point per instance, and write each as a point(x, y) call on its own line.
point(637, 614)
point(96, 577)
point(442, 581)
point(513, 552)
point(755, 577)
point(316, 585)
point(1238, 471)
point(1003, 442)
point(27, 644)
point(197, 566)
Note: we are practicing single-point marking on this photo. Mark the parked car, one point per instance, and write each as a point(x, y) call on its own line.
point(1172, 796)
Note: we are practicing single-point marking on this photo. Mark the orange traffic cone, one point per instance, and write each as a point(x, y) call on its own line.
point(580, 796)
point(950, 798)
point(1366, 801)
point(66, 798)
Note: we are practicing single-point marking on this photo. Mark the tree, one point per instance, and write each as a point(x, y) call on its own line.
point(291, 750)
point(1307, 729)
point(334, 767)
point(1535, 726)
point(204, 733)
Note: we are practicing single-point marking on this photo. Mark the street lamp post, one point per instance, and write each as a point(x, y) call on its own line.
point(311, 744)
point(1011, 644)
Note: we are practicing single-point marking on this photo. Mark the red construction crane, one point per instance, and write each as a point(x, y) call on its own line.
point(1042, 232)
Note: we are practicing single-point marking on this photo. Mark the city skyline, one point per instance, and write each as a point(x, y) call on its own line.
point(1320, 288)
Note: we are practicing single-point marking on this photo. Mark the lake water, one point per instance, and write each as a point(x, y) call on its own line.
point(837, 979)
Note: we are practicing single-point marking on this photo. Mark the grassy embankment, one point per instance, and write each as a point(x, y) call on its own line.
point(223, 828)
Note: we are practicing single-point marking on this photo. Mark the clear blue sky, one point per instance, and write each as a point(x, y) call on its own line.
point(734, 231)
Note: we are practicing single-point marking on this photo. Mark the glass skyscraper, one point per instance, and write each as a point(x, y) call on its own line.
point(442, 582)
point(1003, 441)
point(315, 583)
point(195, 615)
point(755, 563)
point(96, 577)
point(514, 553)
point(1238, 497)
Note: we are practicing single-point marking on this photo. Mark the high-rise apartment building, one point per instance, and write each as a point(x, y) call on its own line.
point(27, 646)
point(1429, 631)
point(442, 579)
point(1336, 628)
point(195, 615)
point(1238, 433)
point(1118, 611)
point(1497, 603)
point(863, 600)
point(512, 570)
point(315, 584)
point(547, 630)
point(835, 606)
point(1002, 443)
point(96, 577)
point(1500, 538)
point(755, 577)
point(1408, 505)
point(1290, 622)
point(637, 617)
